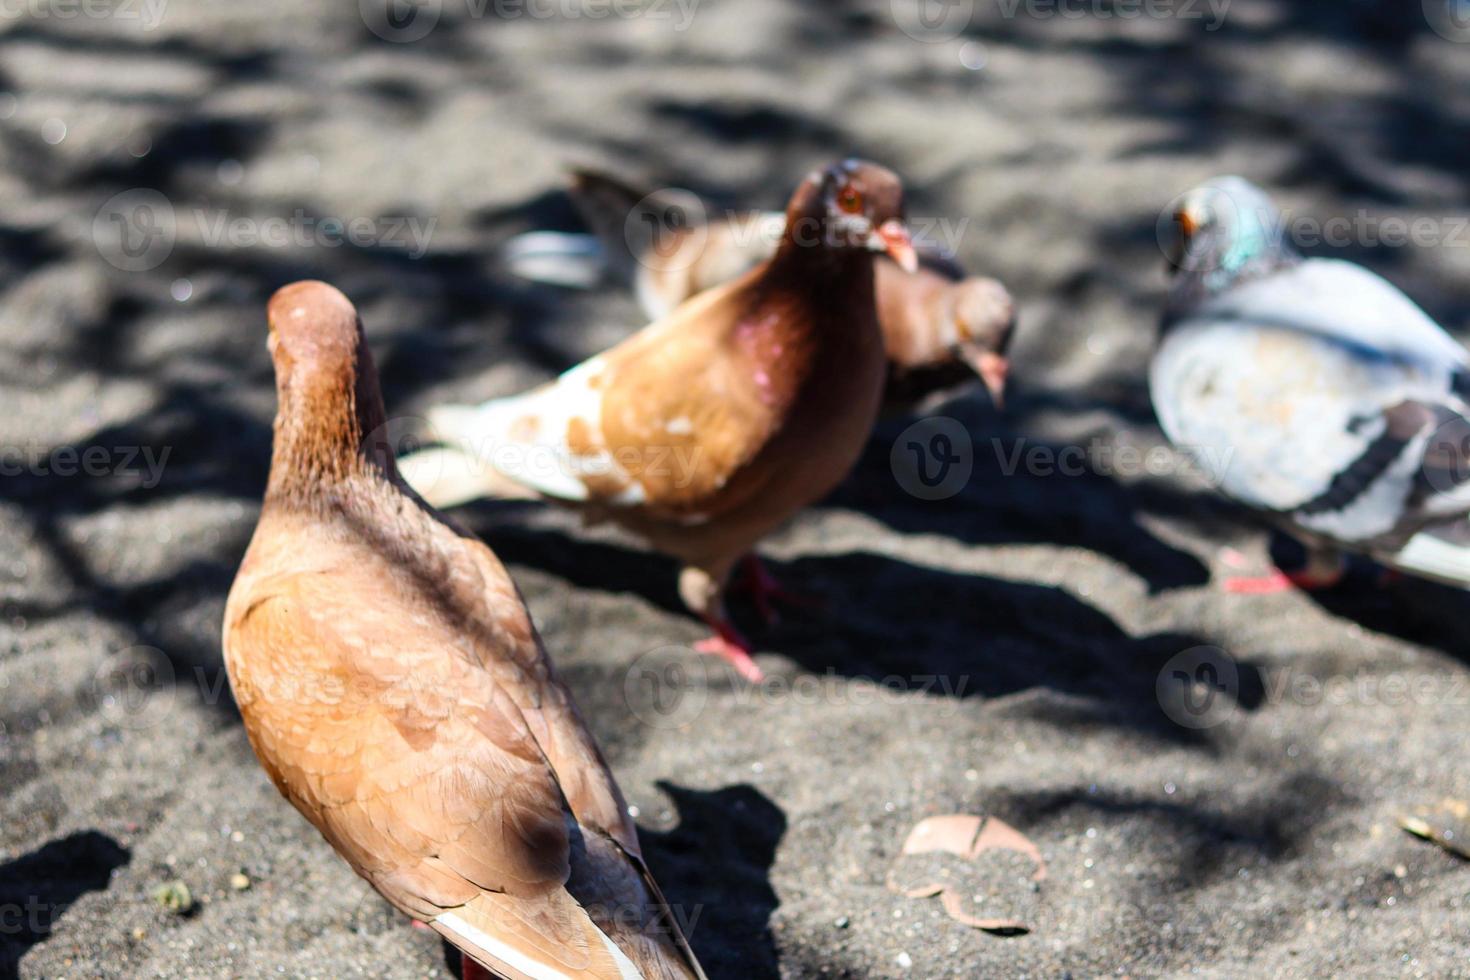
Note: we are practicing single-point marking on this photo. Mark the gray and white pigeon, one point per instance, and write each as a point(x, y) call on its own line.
point(1314, 392)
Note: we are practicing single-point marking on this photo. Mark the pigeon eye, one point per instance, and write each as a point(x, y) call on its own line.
point(849, 200)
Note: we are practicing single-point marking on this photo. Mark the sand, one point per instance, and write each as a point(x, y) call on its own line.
point(997, 652)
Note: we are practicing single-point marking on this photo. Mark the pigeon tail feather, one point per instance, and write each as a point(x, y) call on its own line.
point(1433, 554)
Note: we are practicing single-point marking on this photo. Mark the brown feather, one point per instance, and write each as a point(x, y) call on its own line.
point(777, 378)
point(927, 316)
point(391, 681)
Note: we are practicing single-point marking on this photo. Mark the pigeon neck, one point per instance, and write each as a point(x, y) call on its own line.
point(809, 253)
point(1249, 246)
point(831, 283)
point(811, 314)
point(1254, 238)
point(1214, 265)
point(330, 427)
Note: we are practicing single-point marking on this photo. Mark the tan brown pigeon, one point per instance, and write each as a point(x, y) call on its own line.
point(396, 692)
point(939, 325)
point(709, 428)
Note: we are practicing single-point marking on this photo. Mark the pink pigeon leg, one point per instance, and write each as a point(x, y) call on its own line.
point(766, 591)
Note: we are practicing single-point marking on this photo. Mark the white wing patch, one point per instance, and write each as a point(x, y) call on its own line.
point(1345, 302)
point(626, 969)
point(518, 960)
point(507, 954)
point(1378, 509)
point(1432, 558)
point(530, 439)
point(1286, 408)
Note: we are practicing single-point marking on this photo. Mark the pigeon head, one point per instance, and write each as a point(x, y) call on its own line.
point(984, 313)
point(852, 206)
point(985, 318)
point(314, 333)
point(330, 406)
point(1224, 228)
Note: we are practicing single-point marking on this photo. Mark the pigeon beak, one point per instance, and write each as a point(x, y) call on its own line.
point(1188, 223)
point(993, 370)
point(892, 237)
